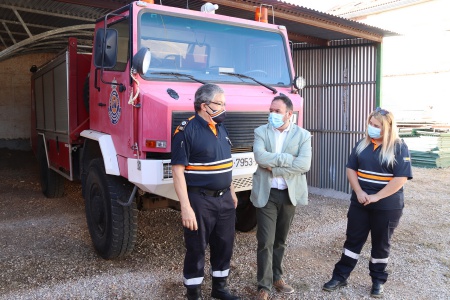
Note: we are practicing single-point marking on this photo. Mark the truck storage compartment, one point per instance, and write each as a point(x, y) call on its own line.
point(58, 108)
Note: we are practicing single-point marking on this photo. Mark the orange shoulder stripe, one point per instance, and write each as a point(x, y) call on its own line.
point(178, 127)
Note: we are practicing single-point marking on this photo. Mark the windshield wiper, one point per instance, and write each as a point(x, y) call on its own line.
point(178, 75)
point(251, 78)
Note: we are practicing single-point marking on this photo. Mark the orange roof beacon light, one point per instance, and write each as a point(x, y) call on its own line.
point(261, 14)
point(209, 8)
point(149, 1)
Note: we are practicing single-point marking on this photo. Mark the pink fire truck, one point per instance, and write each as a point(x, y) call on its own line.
point(106, 118)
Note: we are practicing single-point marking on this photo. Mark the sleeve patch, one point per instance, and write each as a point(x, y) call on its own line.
point(182, 126)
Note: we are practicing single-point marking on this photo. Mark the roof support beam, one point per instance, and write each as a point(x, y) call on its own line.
point(29, 24)
point(35, 11)
point(97, 3)
point(3, 42)
point(18, 46)
point(298, 38)
point(15, 33)
point(22, 22)
point(329, 25)
point(9, 32)
point(77, 33)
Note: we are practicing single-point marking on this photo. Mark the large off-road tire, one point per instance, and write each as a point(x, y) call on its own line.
point(113, 227)
point(245, 212)
point(52, 184)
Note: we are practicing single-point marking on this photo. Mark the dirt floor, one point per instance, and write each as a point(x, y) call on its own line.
point(46, 251)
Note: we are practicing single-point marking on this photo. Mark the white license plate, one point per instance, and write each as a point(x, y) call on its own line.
point(243, 162)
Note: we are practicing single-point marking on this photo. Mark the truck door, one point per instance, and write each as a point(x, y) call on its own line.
point(110, 90)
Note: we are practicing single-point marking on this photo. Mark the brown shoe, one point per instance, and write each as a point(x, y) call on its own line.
point(283, 287)
point(262, 295)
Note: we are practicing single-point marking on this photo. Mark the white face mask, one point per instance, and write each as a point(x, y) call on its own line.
point(373, 132)
point(276, 120)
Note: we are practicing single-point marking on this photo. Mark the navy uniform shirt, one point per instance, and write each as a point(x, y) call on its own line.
point(374, 175)
point(207, 157)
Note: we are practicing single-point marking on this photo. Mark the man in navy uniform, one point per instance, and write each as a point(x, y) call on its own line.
point(202, 167)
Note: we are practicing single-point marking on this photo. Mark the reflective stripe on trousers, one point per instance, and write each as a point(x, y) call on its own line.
point(216, 217)
point(360, 222)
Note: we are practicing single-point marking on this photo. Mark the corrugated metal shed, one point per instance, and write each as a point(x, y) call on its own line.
point(340, 92)
point(44, 25)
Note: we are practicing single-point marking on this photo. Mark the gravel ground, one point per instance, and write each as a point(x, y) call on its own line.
point(46, 252)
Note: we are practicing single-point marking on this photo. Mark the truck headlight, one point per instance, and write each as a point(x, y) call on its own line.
point(141, 61)
point(299, 82)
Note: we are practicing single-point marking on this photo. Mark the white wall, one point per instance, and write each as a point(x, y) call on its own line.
point(416, 65)
point(416, 77)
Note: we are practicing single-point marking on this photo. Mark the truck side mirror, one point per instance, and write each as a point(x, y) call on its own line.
point(141, 61)
point(105, 48)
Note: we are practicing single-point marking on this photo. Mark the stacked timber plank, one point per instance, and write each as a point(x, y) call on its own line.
point(429, 147)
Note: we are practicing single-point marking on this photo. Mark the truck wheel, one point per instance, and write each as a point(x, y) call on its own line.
point(113, 227)
point(245, 212)
point(52, 184)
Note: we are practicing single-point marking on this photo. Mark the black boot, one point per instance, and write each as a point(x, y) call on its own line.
point(377, 290)
point(194, 293)
point(333, 284)
point(220, 290)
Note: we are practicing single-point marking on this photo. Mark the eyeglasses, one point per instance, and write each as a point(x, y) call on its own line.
point(220, 104)
point(381, 111)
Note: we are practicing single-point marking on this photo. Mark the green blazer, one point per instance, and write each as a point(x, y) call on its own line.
point(292, 164)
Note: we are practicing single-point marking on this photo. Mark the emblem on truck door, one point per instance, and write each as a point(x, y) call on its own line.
point(114, 108)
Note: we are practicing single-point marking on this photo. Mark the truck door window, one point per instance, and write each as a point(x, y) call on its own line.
point(123, 44)
point(204, 48)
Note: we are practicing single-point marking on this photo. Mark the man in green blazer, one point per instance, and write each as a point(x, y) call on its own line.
point(283, 152)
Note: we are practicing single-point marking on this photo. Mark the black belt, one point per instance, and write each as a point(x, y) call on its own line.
point(212, 193)
point(279, 189)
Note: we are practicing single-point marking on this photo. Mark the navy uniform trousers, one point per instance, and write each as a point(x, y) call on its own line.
point(361, 221)
point(216, 217)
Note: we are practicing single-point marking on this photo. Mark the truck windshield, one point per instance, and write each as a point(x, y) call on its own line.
point(207, 50)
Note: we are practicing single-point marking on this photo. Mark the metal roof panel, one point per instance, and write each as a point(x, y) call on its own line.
point(303, 24)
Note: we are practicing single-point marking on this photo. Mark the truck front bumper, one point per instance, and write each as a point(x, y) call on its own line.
point(155, 176)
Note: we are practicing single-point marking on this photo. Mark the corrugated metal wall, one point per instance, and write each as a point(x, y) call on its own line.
point(340, 93)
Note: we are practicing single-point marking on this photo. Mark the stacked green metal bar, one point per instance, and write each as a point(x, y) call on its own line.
point(428, 149)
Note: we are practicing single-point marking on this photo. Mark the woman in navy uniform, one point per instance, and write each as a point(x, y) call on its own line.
point(201, 167)
point(377, 169)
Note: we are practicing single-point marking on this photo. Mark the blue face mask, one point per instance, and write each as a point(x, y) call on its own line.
point(276, 120)
point(373, 132)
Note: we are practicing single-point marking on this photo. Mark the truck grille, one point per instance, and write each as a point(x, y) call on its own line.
point(240, 126)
